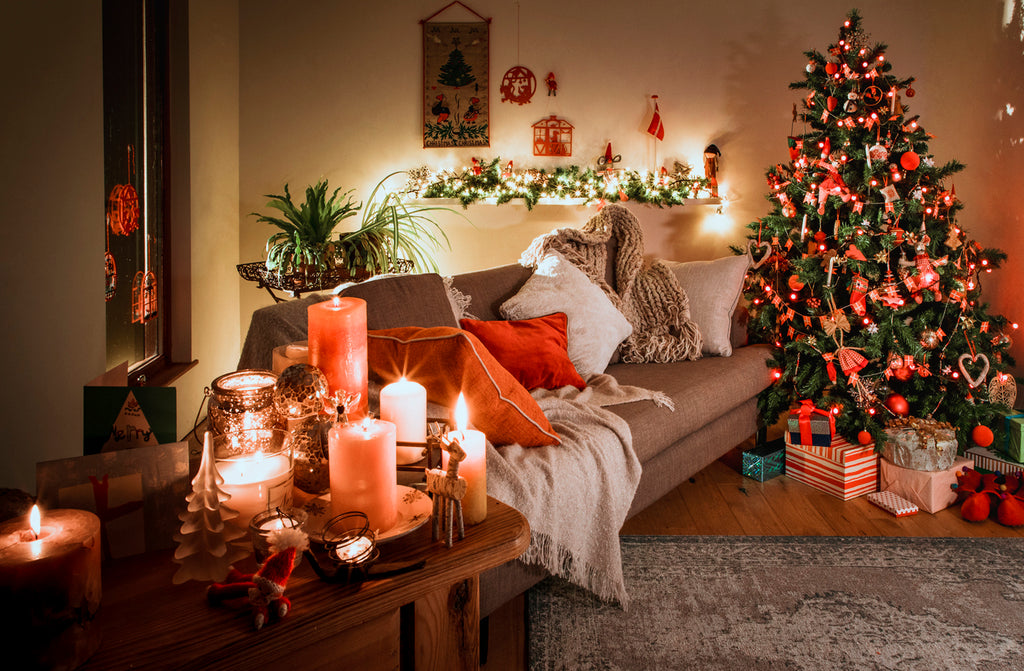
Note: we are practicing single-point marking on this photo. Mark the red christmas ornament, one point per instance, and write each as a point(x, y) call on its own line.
point(831, 68)
point(982, 436)
point(910, 160)
point(903, 374)
point(794, 283)
point(831, 103)
point(897, 404)
point(864, 437)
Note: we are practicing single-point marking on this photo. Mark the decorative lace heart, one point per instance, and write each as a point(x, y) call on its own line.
point(1002, 389)
point(751, 246)
point(974, 381)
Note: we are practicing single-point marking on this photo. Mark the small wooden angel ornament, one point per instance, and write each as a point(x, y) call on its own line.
point(448, 488)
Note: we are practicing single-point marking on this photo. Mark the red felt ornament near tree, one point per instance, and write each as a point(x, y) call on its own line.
point(982, 436)
point(910, 160)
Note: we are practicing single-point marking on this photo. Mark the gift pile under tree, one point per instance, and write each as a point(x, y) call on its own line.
point(864, 281)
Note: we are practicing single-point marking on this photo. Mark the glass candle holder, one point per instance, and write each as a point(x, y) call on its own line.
point(257, 469)
point(265, 523)
point(243, 400)
point(350, 542)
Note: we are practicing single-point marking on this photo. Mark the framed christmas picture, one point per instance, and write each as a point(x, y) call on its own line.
point(456, 64)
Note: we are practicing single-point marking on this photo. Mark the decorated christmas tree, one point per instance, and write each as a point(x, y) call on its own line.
point(865, 282)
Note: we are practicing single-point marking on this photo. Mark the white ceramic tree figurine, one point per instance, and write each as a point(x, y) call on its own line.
point(206, 546)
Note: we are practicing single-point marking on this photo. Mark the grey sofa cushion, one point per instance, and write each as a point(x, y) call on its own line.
point(703, 390)
point(488, 289)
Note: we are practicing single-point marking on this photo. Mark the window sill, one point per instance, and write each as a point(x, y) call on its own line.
point(160, 374)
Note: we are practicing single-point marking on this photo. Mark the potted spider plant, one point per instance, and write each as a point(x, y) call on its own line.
point(393, 234)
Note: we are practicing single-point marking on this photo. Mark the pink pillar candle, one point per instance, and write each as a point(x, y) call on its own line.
point(52, 587)
point(337, 346)
point(473, 467)
point(362, 467)
point(404, 404)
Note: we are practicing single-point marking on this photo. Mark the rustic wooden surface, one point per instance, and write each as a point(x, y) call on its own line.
point(148, 622)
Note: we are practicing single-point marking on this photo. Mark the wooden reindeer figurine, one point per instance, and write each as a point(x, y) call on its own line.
point(448, 489)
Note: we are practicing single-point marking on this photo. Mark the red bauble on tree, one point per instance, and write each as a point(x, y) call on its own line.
point(897, 404)
point(982, 436)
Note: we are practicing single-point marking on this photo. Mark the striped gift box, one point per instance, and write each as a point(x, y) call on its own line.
point(987, 460)
point(842, 469)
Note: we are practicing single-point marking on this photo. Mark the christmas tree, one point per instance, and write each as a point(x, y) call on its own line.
point(866, 285)
point(456, 72)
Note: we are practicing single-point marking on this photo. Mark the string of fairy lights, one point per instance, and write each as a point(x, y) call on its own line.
point(490, 181)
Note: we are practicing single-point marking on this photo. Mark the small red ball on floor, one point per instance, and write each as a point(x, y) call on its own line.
point(982, 436)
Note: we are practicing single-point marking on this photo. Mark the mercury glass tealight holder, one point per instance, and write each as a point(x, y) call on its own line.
point(257, 469)
point(243, 400)
point(267, 522)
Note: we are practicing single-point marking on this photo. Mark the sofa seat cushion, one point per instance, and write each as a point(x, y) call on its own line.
point(702, 390)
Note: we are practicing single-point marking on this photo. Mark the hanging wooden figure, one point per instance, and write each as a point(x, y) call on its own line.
point(552, 137)
point(518, 85)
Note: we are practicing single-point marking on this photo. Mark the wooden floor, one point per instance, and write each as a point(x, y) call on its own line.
point(721, 501)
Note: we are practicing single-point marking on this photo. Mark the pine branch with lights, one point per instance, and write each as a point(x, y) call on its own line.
point(866, 286)
point(489, 180)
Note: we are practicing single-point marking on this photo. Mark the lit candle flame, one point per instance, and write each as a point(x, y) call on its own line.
point(461, 413)
point(34, 520)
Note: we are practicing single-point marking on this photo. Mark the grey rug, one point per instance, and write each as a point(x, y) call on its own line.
point(735, 602)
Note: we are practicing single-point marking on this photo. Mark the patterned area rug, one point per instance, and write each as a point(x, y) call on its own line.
point(735, 602)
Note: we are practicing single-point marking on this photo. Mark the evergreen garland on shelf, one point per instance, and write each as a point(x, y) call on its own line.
point(866, 286)
point(490, 181)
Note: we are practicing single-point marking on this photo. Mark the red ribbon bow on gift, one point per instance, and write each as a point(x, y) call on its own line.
point(804, 420)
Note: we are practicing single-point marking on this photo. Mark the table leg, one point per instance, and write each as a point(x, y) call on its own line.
point(447, 630)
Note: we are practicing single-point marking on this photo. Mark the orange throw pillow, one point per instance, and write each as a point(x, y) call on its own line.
point(534, 350)
point(447, 361)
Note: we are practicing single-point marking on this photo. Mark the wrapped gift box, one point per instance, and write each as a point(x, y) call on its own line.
point(989, 461)
point(808, 425)
point(930, 490)
point(1009, 430)
point(841, 469)
point(765, 461)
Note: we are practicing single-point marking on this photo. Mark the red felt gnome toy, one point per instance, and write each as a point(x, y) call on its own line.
point(264, 589)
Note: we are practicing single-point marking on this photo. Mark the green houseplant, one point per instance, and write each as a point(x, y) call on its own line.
point(392, 230)
point(304, 242)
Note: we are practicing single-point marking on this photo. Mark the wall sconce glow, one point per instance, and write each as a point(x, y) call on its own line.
point(718, 224)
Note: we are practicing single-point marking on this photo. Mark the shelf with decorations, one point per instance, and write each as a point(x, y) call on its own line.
point(491, 183)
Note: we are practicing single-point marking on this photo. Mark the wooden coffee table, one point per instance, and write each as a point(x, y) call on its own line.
point(428, 617)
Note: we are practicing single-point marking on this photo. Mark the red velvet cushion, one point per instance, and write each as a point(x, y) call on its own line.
point(447, 361)
point(535, 350)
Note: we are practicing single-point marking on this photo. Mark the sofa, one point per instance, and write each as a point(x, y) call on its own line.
point(715, 396)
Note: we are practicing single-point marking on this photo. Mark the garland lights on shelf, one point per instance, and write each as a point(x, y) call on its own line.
point(489, 181)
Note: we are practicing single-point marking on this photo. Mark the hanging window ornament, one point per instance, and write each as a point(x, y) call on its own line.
point(518, 85)
point(143, 297)
point(110, 267)
point(123, 203)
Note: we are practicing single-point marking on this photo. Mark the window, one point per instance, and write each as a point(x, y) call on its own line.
point(145, 143)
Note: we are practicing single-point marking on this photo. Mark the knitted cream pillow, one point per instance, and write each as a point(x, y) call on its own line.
point(713, 289)
point(596, 327)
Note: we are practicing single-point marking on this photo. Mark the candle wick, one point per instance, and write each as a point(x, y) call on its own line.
point(34, 533)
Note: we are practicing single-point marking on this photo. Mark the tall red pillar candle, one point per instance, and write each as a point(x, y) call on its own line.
point(362, 467)
point(50, 585)
point(337, 346)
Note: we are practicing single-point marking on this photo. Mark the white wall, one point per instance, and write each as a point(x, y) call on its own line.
point(51, 123)
point(333, 90)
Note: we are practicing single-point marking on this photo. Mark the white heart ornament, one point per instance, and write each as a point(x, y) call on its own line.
point(751, 246)
point(974, 381)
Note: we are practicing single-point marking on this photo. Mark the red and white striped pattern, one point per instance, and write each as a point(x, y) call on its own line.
point(987, 460)
point(893, 503)
point(841, 469)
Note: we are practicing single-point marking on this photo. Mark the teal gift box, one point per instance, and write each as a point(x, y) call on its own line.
point(1008, 435)
point(765, 461)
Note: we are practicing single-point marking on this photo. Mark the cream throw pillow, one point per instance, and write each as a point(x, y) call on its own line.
point(714, 288)
point(596, 327)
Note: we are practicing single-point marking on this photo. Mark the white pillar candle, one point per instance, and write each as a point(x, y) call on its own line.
point(473, 467)
point(362, 467)
point(404, 404)
point(256, 482)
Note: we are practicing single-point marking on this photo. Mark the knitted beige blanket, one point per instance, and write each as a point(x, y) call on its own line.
point(645, 291)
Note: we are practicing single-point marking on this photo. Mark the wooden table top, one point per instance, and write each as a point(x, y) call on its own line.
point(148, 622)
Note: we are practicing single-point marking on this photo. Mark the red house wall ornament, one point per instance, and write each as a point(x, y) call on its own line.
point(123, 203)
point(552, 137)
point(518, 85)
